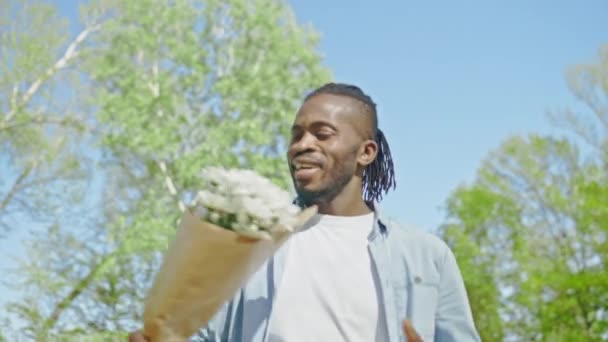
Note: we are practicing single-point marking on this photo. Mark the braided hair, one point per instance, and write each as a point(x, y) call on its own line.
point(379, 176)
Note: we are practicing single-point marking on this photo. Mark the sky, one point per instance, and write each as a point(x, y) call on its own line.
point(451, 80)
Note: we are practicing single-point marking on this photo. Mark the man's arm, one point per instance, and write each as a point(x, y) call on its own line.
point(454, 317)
point(212, 332)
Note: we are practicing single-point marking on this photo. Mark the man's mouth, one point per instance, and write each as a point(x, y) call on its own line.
point(305, 170)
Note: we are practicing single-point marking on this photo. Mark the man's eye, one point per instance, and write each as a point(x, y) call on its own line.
point(323, 135)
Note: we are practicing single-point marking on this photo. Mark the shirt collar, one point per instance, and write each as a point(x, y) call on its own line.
point(381, 223)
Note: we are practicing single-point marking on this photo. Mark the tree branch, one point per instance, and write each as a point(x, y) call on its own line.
point(170, 185)
point(17, 184)
point(70, 53)
point(154, 87)
point(64, 303)
point(40, 119)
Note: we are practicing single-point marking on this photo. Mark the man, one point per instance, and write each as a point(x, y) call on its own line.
point(349, 275)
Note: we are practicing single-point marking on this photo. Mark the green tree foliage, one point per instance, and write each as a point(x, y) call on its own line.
point(172, 86)
point(41, 119)
point(531, 232)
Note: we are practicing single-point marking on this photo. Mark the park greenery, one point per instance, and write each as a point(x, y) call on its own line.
point(531, 232)
point(106, 122)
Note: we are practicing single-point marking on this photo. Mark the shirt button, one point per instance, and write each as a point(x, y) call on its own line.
point(417, 279)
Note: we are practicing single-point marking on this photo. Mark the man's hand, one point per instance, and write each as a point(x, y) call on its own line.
point(138, 337)
point(410, 333)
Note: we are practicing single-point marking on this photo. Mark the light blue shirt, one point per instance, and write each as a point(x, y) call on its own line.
point(420, 281)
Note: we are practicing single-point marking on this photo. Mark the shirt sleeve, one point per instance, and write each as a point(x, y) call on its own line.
point(454, 317)
point(216, 327)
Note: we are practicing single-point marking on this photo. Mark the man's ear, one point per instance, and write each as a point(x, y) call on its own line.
point(367, 152)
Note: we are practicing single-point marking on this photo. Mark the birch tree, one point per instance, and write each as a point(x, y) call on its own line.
point(42, 116)
point(175, 85)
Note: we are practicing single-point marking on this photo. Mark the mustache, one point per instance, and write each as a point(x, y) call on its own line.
point(306, 158)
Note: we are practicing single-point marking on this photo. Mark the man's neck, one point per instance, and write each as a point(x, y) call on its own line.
point(337, 209)
point(344, 204)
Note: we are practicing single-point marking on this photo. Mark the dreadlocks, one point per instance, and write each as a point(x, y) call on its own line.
point(379, 176)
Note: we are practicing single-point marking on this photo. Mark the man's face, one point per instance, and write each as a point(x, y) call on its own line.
point(326, 145)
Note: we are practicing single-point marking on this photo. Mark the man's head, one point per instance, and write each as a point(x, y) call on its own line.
point(336, 146)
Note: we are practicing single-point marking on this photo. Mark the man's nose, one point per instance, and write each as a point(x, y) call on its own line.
point(304, 144)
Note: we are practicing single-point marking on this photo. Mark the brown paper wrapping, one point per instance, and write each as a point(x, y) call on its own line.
point(203, 268)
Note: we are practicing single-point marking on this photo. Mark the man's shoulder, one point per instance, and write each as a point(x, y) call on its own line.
point(411, 233)
point(414, 240)
point(424, 253)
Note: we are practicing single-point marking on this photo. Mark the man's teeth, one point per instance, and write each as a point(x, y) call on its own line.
point(304, 166)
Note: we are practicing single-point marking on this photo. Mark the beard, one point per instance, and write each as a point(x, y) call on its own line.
point(332, 188)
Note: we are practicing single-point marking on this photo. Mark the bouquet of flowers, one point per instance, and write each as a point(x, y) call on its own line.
point(236, 223)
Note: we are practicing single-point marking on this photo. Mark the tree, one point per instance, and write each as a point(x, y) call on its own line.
point(176, 86)
point(531, 232)
point(41, 121)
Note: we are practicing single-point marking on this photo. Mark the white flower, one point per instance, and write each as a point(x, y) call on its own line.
point(214, 201)
point(244, 201)
point(214, 217)
point(255, 207)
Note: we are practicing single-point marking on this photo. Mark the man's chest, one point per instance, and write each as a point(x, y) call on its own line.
point(397, 283)
point(330, 289)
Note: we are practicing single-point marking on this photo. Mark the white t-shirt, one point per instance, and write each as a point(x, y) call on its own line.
point(330, 289)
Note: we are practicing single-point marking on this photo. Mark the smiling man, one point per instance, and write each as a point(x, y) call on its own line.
point(350, 274)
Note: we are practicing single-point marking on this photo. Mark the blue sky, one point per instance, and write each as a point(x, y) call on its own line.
point(451, 80)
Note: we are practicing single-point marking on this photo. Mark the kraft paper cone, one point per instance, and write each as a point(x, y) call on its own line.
point(204, 268)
